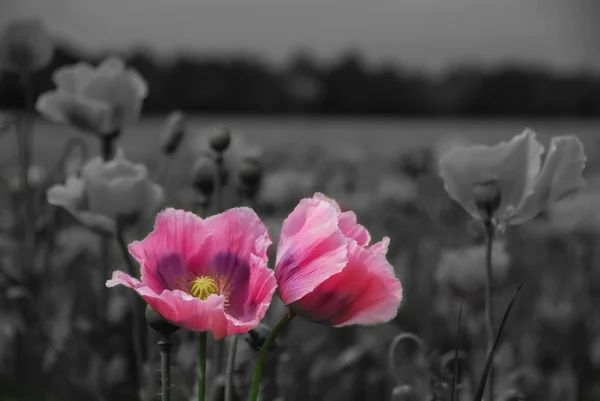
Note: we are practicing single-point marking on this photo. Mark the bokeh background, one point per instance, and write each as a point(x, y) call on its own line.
point(358, 100)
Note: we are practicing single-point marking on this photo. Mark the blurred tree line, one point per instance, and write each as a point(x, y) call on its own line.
point(350, 85)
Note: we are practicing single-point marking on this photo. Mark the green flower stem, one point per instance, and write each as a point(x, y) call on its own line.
point(136, 311)
point(263, 353)
point(202, 366)
point(230, 366)
point(489, 305)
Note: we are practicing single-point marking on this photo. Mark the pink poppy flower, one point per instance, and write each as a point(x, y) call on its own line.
point(327, 273)
point(205, 274)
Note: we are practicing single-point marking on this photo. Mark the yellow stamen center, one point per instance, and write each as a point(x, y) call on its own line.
point(203, 287)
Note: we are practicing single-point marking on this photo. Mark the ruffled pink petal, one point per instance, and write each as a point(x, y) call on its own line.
point(192, 313)
point(177, 307)
point(324, 198)
point(560, 176)
point(351, 229)
point(176, 232)
point(311, 249)
point(381, 247)
point(365, 292)
point(261, 287)
point(239, 231)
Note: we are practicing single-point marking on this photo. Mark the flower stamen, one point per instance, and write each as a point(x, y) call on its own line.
point(203, 287)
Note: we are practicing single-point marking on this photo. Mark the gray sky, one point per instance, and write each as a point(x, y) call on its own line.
point(420, 33)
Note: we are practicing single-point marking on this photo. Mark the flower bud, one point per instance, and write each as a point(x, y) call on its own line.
point(25, 46)
point(203, 175)
point(173, 133)
point(257, 337)
point(250, 175)
point(159, 323)
point(488, 198)
point(220, 138)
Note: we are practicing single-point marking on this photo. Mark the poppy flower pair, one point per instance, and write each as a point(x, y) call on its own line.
point(212, 275)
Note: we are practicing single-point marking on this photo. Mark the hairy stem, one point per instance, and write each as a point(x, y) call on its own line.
point(230, 366)
point(25, 144)
point(136, 311)
point(489, 305)
point(202, 365)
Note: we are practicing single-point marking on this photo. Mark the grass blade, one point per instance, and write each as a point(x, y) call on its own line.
point(456, 346)
point(488, 362)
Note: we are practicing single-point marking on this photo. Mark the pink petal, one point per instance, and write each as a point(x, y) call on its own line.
point(321, 197)
point(261, 287)
point(311, 249)
point(177, 307)
point(240, 231)
point(381, 247)
point(192, 313)
point(351, 229)
point(365, 292)
point(176, 232)
point(560, 176)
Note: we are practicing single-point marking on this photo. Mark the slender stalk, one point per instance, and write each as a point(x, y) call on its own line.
point(489, 305)
point(107, 153)
point(25, 150)
point(263, 353)
point(230, 366)
point(165, 346)
point(219, 185)
point(137, 317)
point(202, 365)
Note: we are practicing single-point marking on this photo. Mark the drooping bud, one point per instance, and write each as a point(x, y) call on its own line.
point(25, 46)
point(220, 138)
point(203, 175)
point(173, 133)
point(488, 198)
point(159, 323)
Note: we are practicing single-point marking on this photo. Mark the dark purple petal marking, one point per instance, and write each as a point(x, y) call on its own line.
point(233, 275)
point(324, 306)
point(170, 269)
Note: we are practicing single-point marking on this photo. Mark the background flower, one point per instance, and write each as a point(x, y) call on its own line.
point(25, 46)
point(107, 191)
point(515, 168)
point(98, 100)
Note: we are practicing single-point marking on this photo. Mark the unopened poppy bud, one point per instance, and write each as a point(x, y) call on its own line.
point(159, 323)
point(203, 175)
point(173, 133)
point(257, 336)
point(220, 138)
point(405, 392)
point(250, 175)
point(25, 46)
point(488, 197)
